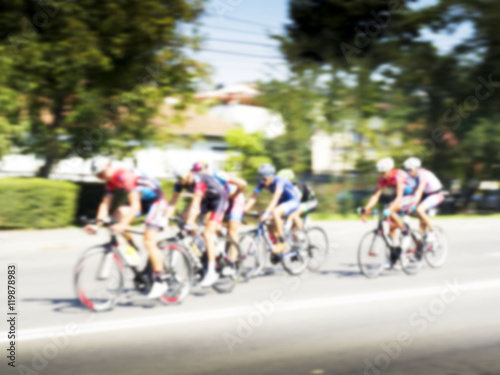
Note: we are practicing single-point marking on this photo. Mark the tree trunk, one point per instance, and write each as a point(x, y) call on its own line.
point(51, 155)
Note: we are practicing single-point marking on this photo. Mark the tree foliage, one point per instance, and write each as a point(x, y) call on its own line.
point(444, 103)
point(92, 67)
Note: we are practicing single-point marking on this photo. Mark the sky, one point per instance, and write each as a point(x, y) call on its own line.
point(249, 23)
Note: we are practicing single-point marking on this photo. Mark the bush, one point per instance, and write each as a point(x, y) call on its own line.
point(37, 203)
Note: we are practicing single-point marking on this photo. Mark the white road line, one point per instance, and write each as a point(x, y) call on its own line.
point(217, 314)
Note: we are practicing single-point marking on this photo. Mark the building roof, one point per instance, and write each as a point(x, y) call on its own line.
point(192, 122)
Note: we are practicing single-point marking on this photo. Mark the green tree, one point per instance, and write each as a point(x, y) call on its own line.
point(250, 153)
point(92, 73)
point(299, 104)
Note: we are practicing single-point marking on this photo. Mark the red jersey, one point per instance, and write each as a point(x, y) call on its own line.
point(396, 176)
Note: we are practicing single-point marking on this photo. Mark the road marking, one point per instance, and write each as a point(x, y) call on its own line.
point(234, 312)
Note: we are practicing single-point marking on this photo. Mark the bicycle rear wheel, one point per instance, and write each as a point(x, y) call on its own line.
point(296, 259)
point(319, 248)
point(229, 276)
point(372, 254)
point(98, 279)
point(436, 254)
point(410, 261)
point(252, 255)
point(178, 272)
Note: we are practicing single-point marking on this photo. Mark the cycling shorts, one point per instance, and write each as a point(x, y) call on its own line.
point(290, 206)
point(155, 211)
point(308, 207)
point(433, 200)
point(216, 206)
point(236, 208)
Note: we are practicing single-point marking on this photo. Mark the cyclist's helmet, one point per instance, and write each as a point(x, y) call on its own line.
point(266, 170)
point(287, 173)
point(199, 166)
point(385, 165)
point(181, 173)
point(99, 165)
point(411, 164)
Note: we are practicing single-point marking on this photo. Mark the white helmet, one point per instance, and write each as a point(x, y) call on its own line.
point(99, 164)
point(180, 173)
point(412, 163)
point(385, 165)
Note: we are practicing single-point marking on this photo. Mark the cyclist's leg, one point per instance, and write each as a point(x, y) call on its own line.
point(236, 211)
point(155, 214)
point(431, 201)
point(296, 219)
point(284, 209)
point(154, 224)
point(217, 208)
point(122, 211)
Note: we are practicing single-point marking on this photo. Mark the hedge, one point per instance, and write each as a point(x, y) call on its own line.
point(37, 203)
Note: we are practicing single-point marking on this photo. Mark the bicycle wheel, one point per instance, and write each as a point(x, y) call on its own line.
point(178, 272)
point(319, 248)
point(229, 276)
point(296, 259)
point(98, 279)
point(436, 254)
point(252, 255)
point(372, 254)
point(409, 259)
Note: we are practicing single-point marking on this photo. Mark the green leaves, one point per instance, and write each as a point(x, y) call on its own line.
point(92, 65)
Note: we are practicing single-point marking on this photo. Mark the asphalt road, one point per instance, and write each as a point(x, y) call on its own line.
point(441, 321)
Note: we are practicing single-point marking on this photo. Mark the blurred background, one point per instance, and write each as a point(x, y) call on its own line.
point(323, 87)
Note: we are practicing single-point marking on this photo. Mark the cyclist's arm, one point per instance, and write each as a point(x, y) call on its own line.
point(419, 192)
point(104, 206)
point(194, 209)
point(373, 200)
point(400, 189)
point(274, 201)
point(172, 205)
point(134, 200)
point(240, 183)
point(251, 202)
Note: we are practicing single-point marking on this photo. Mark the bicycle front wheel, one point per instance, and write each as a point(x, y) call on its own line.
point(98, 279)
point(252, 255)
point(436, 254)
point(230, 273)
point(178, 272)
point(372, 254)
point(319, 248)
point(296, 260)
point(410, 260)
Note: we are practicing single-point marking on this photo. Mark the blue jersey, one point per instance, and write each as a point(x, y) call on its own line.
point(289, 191)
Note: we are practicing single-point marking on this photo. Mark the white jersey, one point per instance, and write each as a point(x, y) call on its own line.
point(432, 183)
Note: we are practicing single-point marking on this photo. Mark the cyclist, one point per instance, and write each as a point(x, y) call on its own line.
point(145, 197)
point(209, 197)
point(234, 187)
point(428, 194)
point(397, 178)
point(200, 166)
point(308, 201)
point(285, 200)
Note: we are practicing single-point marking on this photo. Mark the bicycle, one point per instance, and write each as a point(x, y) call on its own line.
point(377, 246)
point(258, 240)
point(100, 273)
point(434, 253)
point(319, 244)
point(229, 272)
